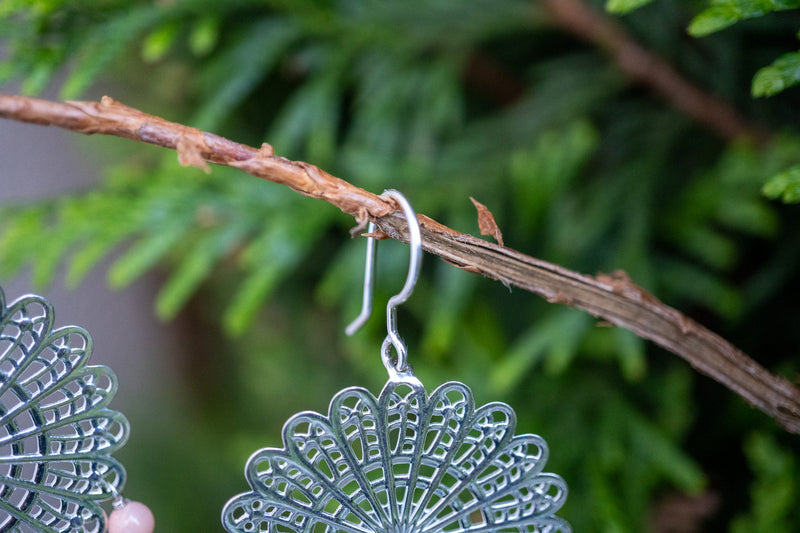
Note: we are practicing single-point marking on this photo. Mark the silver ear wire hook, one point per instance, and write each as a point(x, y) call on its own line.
point(400, 365)
point(369, 283)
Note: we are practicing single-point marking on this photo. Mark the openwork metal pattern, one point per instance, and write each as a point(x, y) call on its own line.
point(56, 432)
point(401, 463)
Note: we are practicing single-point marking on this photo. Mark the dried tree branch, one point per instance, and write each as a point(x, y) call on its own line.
point(613, 298)
point(643, 66)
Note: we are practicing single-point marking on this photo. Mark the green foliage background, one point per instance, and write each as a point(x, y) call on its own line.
point(443, 100)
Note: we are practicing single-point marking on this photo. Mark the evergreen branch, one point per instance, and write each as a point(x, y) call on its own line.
point(643, 66)
point(613, 298)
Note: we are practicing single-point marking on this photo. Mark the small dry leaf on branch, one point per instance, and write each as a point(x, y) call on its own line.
point(378, 235)
point(266, 150)
point(190, 154)
point(487, 223)
point(362, 220)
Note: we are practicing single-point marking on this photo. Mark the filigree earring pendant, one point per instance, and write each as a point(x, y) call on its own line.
point(401, 462)
point(57, 433)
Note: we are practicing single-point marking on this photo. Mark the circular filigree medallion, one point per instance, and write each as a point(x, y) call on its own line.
point(56, 432)
point(404, 462)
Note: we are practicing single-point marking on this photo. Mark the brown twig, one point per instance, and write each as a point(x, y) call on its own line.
point(642, 66)
point(613, 298)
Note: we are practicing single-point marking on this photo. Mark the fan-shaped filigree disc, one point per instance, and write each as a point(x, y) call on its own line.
point(56, 432)
point(404, 462)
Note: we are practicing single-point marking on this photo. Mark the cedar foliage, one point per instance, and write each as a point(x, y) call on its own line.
point(445, 100)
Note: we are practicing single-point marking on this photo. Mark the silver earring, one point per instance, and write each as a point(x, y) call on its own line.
point(57, 433)
point(402, 462)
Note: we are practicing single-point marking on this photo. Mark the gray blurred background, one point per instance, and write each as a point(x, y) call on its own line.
point(39, 162)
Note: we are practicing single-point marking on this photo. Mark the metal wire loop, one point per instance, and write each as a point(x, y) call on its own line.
point(117, 502)
point(400, 364)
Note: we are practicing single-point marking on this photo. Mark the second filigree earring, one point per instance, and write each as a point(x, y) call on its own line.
point(402, 462)
point(57, 432)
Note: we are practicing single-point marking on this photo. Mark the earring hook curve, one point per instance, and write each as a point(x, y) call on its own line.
point(414, 266)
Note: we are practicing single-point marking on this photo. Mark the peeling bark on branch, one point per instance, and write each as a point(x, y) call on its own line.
point(614, 298)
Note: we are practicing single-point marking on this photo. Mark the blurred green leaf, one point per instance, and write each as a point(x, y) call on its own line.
point(724, 13)
point(104, 44)
point(675, 465)
point(610, 517)
point(775, 490)
point(194, 269)
point(86, 258)
point(9, 7)
point(159, 41)
point(45, 63)
point(713, 19)
point(785, 186)
point(631, 354)
point(249, 298)
point(21, 237)
point(143, 255)
point(625, 6)
point(542, 173)
point(234, 72)
point(783, 73)
point(270, 258)
point(204, 36)
point(683, 279)
point(453, 287)
point(553, 341)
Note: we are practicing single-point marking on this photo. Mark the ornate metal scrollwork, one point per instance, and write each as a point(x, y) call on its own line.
point(404, 462)
point(56, 432)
